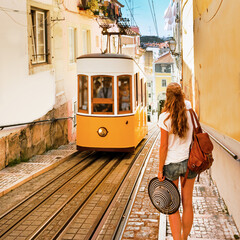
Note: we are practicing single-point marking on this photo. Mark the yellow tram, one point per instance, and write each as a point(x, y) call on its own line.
point(112, 112)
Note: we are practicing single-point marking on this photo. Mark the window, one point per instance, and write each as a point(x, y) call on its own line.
point(39, 36)
point(86, 41)
point(158, 68)
point(163, 68)
point(149, 95)
point(97, 42)
point(168, 68)
point(72, 44)
point(139, 91)
point(124, 94)
point(142, 93)
point(114, 41)
point(136, 89)
point(145, 94)
point(83, 93)
point(102, 94)
point(164, 82)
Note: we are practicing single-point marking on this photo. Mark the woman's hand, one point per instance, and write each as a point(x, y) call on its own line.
point(160, 176)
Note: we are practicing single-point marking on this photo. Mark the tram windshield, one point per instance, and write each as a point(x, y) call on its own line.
point(102, 94)
point(124, 96)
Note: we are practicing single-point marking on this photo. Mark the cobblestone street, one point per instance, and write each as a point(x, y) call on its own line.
point(211, 218)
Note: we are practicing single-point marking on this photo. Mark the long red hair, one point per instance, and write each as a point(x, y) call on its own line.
point(176, 108)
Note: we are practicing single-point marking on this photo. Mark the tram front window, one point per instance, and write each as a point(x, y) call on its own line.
point(124, 96)
point(102, 94)
point(83, 93)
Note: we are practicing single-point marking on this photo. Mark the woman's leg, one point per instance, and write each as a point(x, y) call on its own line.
point(187, 216)
point(175, 222)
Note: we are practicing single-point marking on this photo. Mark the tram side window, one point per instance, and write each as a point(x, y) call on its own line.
point(124, 94)
point(136, 89)
point(145, 94)
point(139, 91)
point(83, 93)
point(102, 97)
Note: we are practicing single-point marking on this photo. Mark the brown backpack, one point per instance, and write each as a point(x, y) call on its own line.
point(200, 154)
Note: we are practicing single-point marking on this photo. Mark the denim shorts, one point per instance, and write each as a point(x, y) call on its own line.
point(172, 171)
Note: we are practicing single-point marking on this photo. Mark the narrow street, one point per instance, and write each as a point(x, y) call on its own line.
point(85, 86)
point(141, 220)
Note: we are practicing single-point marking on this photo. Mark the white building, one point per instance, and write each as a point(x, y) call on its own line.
point(39, 45)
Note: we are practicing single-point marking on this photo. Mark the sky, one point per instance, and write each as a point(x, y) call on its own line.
point(142, 15)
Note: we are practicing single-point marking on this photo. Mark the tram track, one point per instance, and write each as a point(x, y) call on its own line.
point(84, 199)
point(46, 185)
point(26, 206)
point(75, 202)
point(120, 205)
point(108, 214)
point(41, 209)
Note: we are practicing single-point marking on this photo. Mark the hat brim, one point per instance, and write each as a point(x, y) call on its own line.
point(171, 189)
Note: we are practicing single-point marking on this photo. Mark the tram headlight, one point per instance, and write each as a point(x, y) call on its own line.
point(102, 132)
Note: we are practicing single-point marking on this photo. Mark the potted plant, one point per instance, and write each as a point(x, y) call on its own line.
point(93, 4)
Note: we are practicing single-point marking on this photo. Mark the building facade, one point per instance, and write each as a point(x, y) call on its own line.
point(210, 70)
point(40, 42)
point(163, 69)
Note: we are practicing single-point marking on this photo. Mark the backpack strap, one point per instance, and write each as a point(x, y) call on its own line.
point(193, 116)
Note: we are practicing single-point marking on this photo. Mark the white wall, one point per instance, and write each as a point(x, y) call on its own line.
point(23, 97)
point(27, 95)
point(187, 40)
point(156, 52)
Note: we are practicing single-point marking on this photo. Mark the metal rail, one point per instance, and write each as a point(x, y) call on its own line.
point(118, 233)
point(75, 193)
point(43, 227)
point(32, 207)
point(33, 123)
point(235, 156)
point(125, 202)
point(48, 183)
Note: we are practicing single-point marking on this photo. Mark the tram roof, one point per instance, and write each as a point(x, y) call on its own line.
point(105, 55)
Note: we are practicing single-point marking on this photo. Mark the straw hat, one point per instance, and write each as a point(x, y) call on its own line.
point(164, 195)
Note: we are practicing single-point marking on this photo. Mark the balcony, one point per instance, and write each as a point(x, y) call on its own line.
point(102, 8)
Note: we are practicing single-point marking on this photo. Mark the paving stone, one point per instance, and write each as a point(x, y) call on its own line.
point(211, 221)
point(12, 177)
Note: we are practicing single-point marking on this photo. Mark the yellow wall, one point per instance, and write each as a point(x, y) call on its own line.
point(158, 81)
point(211, 79)
point(188, 52)
point(217, 65)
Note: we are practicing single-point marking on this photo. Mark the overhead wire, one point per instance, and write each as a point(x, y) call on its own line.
point(152, 9)
point(131, 14)
point(5, 11)
point(12, 10)
point(155, 18)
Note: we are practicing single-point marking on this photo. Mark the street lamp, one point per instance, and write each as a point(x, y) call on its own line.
point(172, 46)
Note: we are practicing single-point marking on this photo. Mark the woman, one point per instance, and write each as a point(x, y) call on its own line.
point(176, 136)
